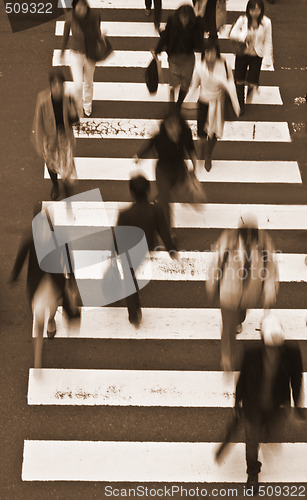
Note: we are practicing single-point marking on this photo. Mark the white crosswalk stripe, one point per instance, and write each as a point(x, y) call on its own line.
point(139, 30)
point(156, 462)
point(222, 171)
point(138, 92)
point(211, 215)
point(133, 388)
point(234, 5)
point(123, 128)
point(135, 59)
point(172, 324)
point(169, 462)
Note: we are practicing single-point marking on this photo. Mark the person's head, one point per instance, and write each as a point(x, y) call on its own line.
point(186, 14)
point(272, 331)
point(172, 125)
point(139, 187)
point(255, 11)
point(211, 51)
point(248, 227)
point(56, 81)
point(80, 8)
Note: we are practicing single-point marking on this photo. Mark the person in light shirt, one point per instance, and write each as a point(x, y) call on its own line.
point(253, 29)
point(214, 77)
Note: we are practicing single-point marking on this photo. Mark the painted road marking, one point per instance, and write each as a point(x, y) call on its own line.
point(172, 324)
point(191, 266)
point(197, 389)
point(157, 462)
point(138, 92)
point(126, 128)
point(135, 59)
point(232, 5)
point(210, 215)
point(136, 30)
point(122, 169)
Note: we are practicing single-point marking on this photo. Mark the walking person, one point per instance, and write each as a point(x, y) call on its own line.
point(53, 134)
point(214, 77)
point(171, 143)
point(244, 274)
point(158, 11)
point(180, 39)
point(210, 15)
point(254, 31)
point(150, 218)
point(45, 290)
point(270, 372)
point(84, 24)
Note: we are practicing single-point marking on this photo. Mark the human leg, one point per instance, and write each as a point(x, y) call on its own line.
point(89, 69)
point(228, 338)
point(55, 184)
point(241, 65)
point(253, 429)
point(77, 62)
point(164, 187)
point(157, 18)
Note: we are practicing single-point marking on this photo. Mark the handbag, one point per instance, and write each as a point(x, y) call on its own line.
point(103, 48)
point(71, 299)
point(152, 76)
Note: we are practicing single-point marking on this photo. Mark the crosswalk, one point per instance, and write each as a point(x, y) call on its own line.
point(175, 310)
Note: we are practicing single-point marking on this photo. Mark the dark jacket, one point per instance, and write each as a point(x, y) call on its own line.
point(35, 273)
point(84, 34)
point(150, 218)
point(170, 154)
point(289, 374)
point(176, 39)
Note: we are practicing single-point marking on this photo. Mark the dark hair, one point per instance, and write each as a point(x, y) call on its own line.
point(211, 44)
point(252, 5)
point(173, 115)
point(139, 187)
point(186, 11)
point(251, 232)
point(75, 2)
point(56, 74)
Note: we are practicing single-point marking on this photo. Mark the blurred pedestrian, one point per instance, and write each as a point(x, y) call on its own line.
point(263, 391)
point(150, 218)
point(84, 24)
point(171, 143)
point(180, 39)
point(214, 77)
point(158, 9)
point(244, 275)
point(254, 30)
point(210, 16)
point(45, 289)
point(53, 134)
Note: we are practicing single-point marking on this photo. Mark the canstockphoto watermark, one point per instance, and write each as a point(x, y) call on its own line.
point(104, 276)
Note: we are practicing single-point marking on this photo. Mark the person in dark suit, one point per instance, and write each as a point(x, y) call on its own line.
point(263, 389)
point(158, 11)
point(150, 218)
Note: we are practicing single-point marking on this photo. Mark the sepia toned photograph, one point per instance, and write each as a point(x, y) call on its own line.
point(154, 249)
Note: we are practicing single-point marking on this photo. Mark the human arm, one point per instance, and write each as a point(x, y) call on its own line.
point(164, 38)
point(66, 33)
point(23, 250)
point(38, 128)
point(268, 44)
point(238, 32)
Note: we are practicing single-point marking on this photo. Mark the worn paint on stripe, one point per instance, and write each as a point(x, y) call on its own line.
point(197, 389)
point(191, 266)
point(211, 215)
point(172, 324)
point(138, 92)
point(135, 59)
point(232, 5)
point(157, 462)
point(235, 131)
point(131, 388)
point(136, 30)
point(222, 170)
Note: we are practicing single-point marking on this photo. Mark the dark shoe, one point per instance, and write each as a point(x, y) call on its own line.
point(240, 94)
point(136, 320)
point(252, 483)
point(148, 12)
point(54, 192)
point(208, 163)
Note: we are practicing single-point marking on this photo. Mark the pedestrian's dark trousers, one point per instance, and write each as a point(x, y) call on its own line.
point(259, 427)
point(133, 302)
point(158, 8)
point(166, 180)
